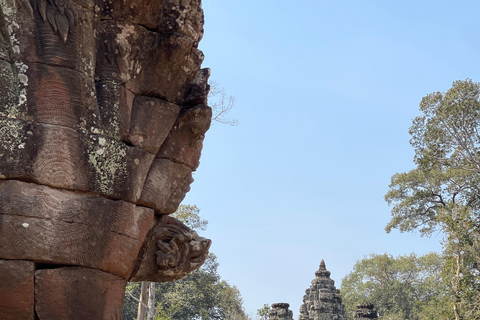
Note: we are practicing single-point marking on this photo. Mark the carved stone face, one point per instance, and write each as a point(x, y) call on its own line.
point(102, 118)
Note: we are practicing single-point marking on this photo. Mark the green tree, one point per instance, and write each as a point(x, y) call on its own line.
point(262, 313)
point(190, 216)
point(231, 301)
point(402, 287)
point(447, 154)
point(200, 295)
point(442, 193)
point(130, 303)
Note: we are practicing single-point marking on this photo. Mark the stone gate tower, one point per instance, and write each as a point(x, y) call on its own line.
point(322, 300)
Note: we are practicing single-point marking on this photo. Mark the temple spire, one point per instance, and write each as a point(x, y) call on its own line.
point(322, 300)
point(322, 265)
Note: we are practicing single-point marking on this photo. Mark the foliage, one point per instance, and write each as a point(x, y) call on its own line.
point(447, 153)
point(430, 199)
point(130, 303)
point(461, 274)
point(231, 301)
point(443, 191)
point(191, 296)
point(447, 132)
point(200, 295)
point(262, 313)
point(405, 287)
point(190, 216)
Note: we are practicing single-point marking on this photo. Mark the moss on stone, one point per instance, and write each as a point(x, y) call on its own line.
point(109, 91)
point(13, 137)
point(9, 91)
point(107, 158)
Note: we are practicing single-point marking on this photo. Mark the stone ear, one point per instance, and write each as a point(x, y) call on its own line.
point(103, 112)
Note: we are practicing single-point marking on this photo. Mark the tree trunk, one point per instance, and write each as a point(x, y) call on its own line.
point(458, 259)
point(142, 304)
point(151, 301)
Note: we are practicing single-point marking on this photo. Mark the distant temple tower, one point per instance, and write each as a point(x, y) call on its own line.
point(280, 311)
point(322, 300)
point(365, 311)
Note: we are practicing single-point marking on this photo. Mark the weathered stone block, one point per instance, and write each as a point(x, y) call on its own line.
point(5, 48)
point(60, 35)
point(179, 16)
point(9, 91)
point(62, 227)
point(185, 142)
point(166, 186)
point(164, 71)
point(152, 119)
point(58, 96)
point(115, 105)
point(62, 96)
point(198, 89)
point(78, 293)
point(16, 290)
point(63, 158)
point(174, 63)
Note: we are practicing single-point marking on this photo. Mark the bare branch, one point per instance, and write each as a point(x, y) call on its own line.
point(440, 199)
point(221, 105)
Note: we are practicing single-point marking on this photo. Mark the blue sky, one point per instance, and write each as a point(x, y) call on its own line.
point(326, 92)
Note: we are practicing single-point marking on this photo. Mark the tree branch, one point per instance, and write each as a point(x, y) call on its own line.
point(134, 298)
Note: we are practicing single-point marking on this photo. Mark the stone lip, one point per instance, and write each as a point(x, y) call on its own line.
point(282, 305)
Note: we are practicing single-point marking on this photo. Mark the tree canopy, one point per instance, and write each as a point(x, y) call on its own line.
point(442, 193)
point(201, 295)
point(445, 182)
point(262, 313)
point(403, 287)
